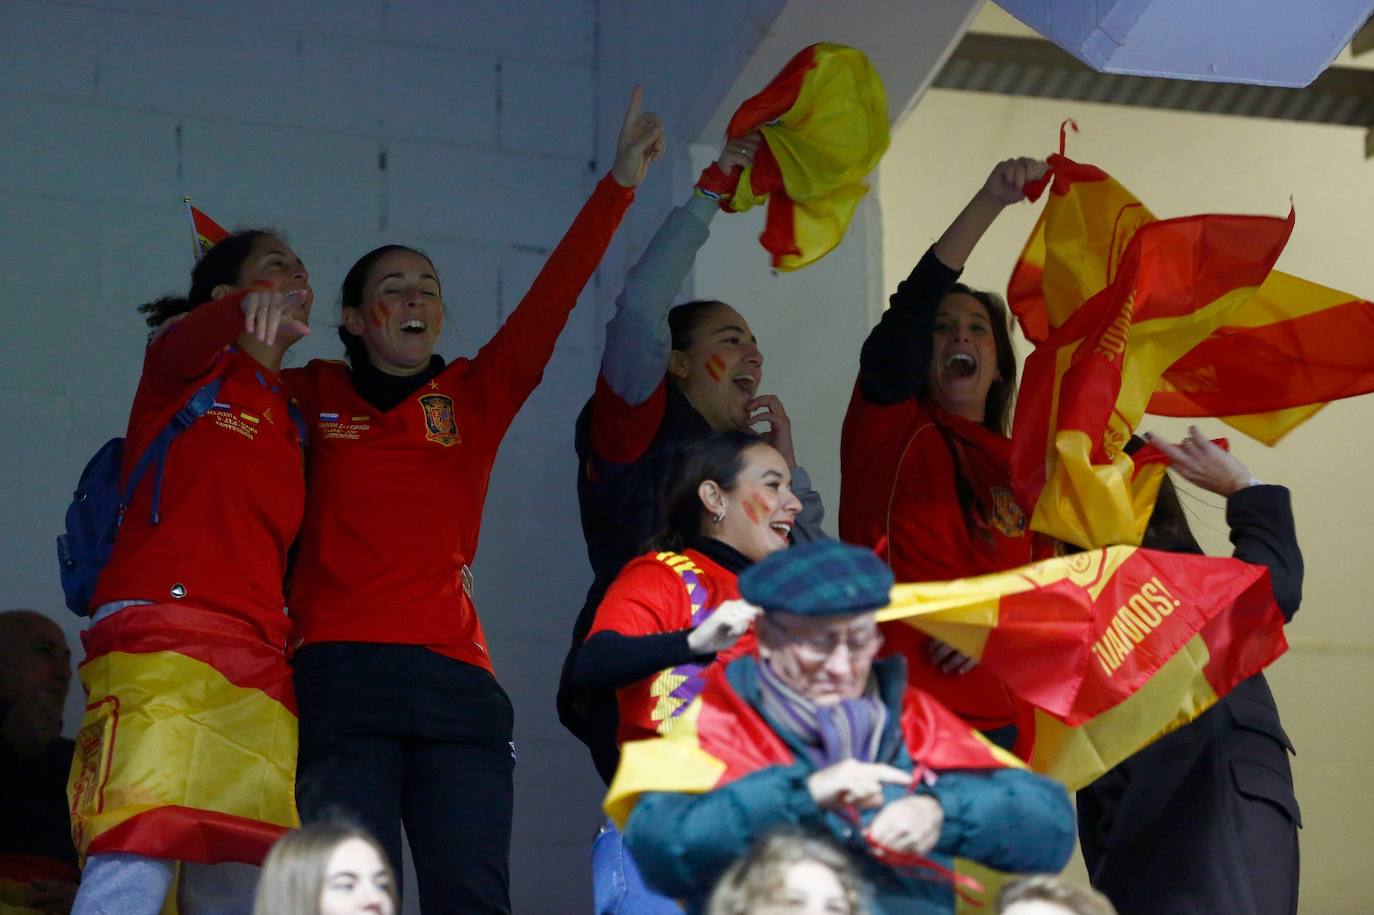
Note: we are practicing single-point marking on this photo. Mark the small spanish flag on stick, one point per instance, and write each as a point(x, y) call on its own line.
point(205, 232)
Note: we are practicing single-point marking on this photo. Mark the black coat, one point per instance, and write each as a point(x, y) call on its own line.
point(1205, 819)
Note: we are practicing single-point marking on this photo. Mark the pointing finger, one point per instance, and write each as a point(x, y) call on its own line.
point(636, 102)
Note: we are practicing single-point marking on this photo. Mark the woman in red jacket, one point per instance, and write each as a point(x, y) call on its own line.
point(185, 667)
point(403, 720)
point(924, 452)
point(671, 612)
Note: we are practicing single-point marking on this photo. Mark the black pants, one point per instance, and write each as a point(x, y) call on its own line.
point(398, 733)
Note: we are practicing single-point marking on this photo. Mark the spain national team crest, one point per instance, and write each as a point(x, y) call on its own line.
point(440, 425)
point(1007, 516)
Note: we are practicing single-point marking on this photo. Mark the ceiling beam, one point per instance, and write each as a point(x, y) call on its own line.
point(1037, 68)
point(1364, 38)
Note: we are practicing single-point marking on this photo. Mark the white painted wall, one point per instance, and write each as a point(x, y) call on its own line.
point(1181, 164)
point(471, 129)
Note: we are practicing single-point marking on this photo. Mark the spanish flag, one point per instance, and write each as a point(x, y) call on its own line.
point(721, 738)
point(205, 232)
point(824, 126)
point(1108, 649)
point(188, 746)
point(1146, 293)
point(1278, 355)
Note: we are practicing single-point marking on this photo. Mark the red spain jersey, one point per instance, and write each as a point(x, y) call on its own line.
point(654, 594)
point(233, 487)
point(899, 484)
point(395, 497)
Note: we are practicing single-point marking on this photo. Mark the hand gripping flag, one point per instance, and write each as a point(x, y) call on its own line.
point(1277, 357)
point(205, 232)
point(824, 126)
point(1124, 297)
point(1110, 649)
point(188, 747)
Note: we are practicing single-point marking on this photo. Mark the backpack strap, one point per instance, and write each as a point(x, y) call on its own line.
point(302, 431)
point(155, 454)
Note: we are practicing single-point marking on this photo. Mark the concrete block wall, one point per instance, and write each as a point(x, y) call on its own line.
point(473, 130)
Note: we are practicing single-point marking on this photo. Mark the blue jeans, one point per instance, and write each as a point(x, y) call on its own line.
point(616, 883)
point(120, 883)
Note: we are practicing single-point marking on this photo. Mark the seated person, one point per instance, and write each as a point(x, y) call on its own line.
point(37, 858)
point(809, 731)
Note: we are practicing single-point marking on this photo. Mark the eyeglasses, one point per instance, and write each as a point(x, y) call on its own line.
point(862, 643)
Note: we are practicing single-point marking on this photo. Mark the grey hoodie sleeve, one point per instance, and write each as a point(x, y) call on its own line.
point(808, 525)
point(637, 339)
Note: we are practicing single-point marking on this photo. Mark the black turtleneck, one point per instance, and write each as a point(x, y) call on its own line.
point(609, 660)
point(385, 391)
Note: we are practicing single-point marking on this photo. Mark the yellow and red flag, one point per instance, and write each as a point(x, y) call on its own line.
point(1110, 649)
point(1145, 292)
point(824, 126)
point(205, 232)
point(1276, 357)
point(188, 747)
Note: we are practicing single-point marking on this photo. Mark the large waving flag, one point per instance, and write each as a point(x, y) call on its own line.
point(1275, 359)
point(1111, 649)
point(188, 747)
point(1143, 293)
point(824, 125)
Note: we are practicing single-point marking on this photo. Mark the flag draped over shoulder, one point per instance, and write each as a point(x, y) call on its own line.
point(722, 738)
point(188, 750)
point(1111, 648)
point(1121, 297)
point(824, 125)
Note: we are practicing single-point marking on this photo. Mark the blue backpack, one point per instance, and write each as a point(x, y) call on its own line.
point(98, 505)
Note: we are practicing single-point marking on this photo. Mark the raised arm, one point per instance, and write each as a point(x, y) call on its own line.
point(512, 362)
point(637, 338)
point(895, 359)
point(1260, 516)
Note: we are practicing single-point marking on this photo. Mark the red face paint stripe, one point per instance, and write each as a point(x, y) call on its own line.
point(715, 367)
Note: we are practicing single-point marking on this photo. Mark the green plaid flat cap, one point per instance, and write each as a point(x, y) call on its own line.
point(823, 578)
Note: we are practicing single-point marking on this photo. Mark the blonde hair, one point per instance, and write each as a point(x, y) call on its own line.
point(1076, 899)
point(293, 876)
point(761, 873)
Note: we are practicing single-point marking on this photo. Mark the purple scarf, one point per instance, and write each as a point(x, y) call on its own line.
point(852, 729)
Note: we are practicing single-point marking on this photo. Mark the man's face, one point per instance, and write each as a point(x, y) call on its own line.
point(35, 665)
point(825, 658)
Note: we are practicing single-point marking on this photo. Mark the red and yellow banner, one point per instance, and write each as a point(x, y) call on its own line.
point(1111, 648)
point(721, 738)
point(824, 125)
point(1125, 296)
point(188, 747)
point(1273, 360)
